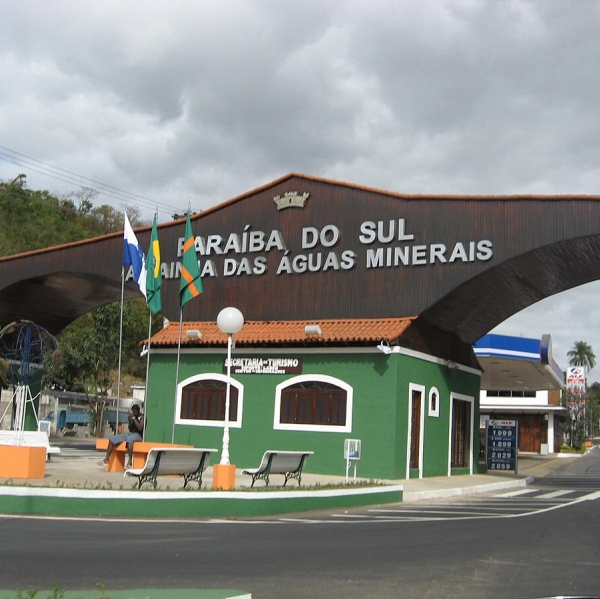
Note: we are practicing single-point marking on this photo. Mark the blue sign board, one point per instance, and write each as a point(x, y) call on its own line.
point(502, 444)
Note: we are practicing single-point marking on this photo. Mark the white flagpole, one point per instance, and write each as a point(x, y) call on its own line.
point(147, 375)
point(120, 353)
point(177, 374)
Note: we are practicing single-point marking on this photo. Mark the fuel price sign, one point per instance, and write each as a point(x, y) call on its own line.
point(502, 444)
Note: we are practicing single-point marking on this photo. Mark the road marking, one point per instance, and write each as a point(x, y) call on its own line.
point(590, 496)
point(305, 520)
point(545, 463)
point(516, 493)
point(554, 494)
point(460, 509)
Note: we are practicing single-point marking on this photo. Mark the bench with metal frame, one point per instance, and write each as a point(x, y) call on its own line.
point(187, 462)
point(288, 463)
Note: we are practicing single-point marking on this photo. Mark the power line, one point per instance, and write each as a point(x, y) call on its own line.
point(73, 178)
point(66, 176)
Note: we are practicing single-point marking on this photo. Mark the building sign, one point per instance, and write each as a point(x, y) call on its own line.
point(264, 365)
point(576, 391)
point(373, 245)
point(502, 444)
point(382, 245)
point(576, 380)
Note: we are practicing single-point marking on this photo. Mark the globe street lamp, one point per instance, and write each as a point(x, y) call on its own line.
point(230, 321)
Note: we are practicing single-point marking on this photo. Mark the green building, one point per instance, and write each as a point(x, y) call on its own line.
point(292, 389)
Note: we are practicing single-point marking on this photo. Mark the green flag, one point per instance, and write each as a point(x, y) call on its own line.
point(153, 270)
point(191, 282)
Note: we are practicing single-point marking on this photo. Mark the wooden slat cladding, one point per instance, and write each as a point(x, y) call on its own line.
point(473, 261)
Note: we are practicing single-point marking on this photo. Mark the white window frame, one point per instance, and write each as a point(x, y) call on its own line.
point(210, 376)
point(322, 428)
point(434, 413)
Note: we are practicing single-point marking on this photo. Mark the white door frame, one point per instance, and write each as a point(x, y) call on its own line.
point(414, 387)
point(471, 400)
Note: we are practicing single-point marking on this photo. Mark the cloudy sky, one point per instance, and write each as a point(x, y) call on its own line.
point(161, 103)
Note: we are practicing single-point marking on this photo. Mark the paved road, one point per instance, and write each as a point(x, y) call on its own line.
point(582, 474)
point(502, 505)
point(577, 482)
point(548, 550)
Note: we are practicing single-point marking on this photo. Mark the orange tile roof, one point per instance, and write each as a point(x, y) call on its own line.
point(289, 332)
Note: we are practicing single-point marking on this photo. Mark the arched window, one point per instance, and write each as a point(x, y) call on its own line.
point(434, 402)
point(201, 401)
point(314, 402)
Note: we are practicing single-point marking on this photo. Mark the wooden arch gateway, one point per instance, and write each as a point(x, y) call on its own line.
point(307, 248)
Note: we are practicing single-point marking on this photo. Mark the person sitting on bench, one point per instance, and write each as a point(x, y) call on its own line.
point(136, 430)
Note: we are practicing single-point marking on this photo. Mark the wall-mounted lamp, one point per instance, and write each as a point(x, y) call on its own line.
point(312, 329)
point(384, 347)
point(193, 334)
point(546, 417)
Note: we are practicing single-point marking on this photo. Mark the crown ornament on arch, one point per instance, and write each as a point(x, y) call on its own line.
point(291, 199)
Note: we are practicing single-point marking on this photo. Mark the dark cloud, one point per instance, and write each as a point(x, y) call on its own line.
point(183, 101)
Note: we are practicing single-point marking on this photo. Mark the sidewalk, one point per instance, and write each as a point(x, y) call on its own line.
point(77, 466)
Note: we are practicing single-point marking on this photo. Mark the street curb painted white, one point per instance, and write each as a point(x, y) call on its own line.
point(159, 504)
point(158, 495)
point(411, 496)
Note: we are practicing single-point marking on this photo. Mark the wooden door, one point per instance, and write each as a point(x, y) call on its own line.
point(415, 429)
point(461, 434)
point(532, 432)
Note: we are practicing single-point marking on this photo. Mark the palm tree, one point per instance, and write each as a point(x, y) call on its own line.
point(582, 354)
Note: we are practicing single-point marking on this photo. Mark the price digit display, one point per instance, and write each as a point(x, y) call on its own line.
point(502, 445)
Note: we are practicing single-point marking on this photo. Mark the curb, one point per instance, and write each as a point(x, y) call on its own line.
point(52, 501)
point(412, 496)
point(139, 594)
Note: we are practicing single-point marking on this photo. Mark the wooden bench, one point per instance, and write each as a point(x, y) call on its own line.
point(116, 462)
point(28, 439)
point(288, 463)
point(189, 463)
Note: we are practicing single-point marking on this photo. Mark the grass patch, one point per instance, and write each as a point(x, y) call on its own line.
point(58, 593)
point(107, 486)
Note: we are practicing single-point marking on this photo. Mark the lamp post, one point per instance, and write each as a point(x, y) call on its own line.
point(230, 321)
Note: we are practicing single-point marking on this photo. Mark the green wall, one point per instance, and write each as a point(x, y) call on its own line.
point(436, 428)
point(380, 412)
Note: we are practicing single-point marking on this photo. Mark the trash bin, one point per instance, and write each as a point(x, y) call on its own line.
point(544, 449)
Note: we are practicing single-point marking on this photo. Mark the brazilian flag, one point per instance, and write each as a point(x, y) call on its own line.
point(153, 272)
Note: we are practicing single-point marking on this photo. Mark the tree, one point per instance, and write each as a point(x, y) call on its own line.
point(594, 405)
point(90, 352)
point(36, 219)
point(581, 354)
point(33, 219)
